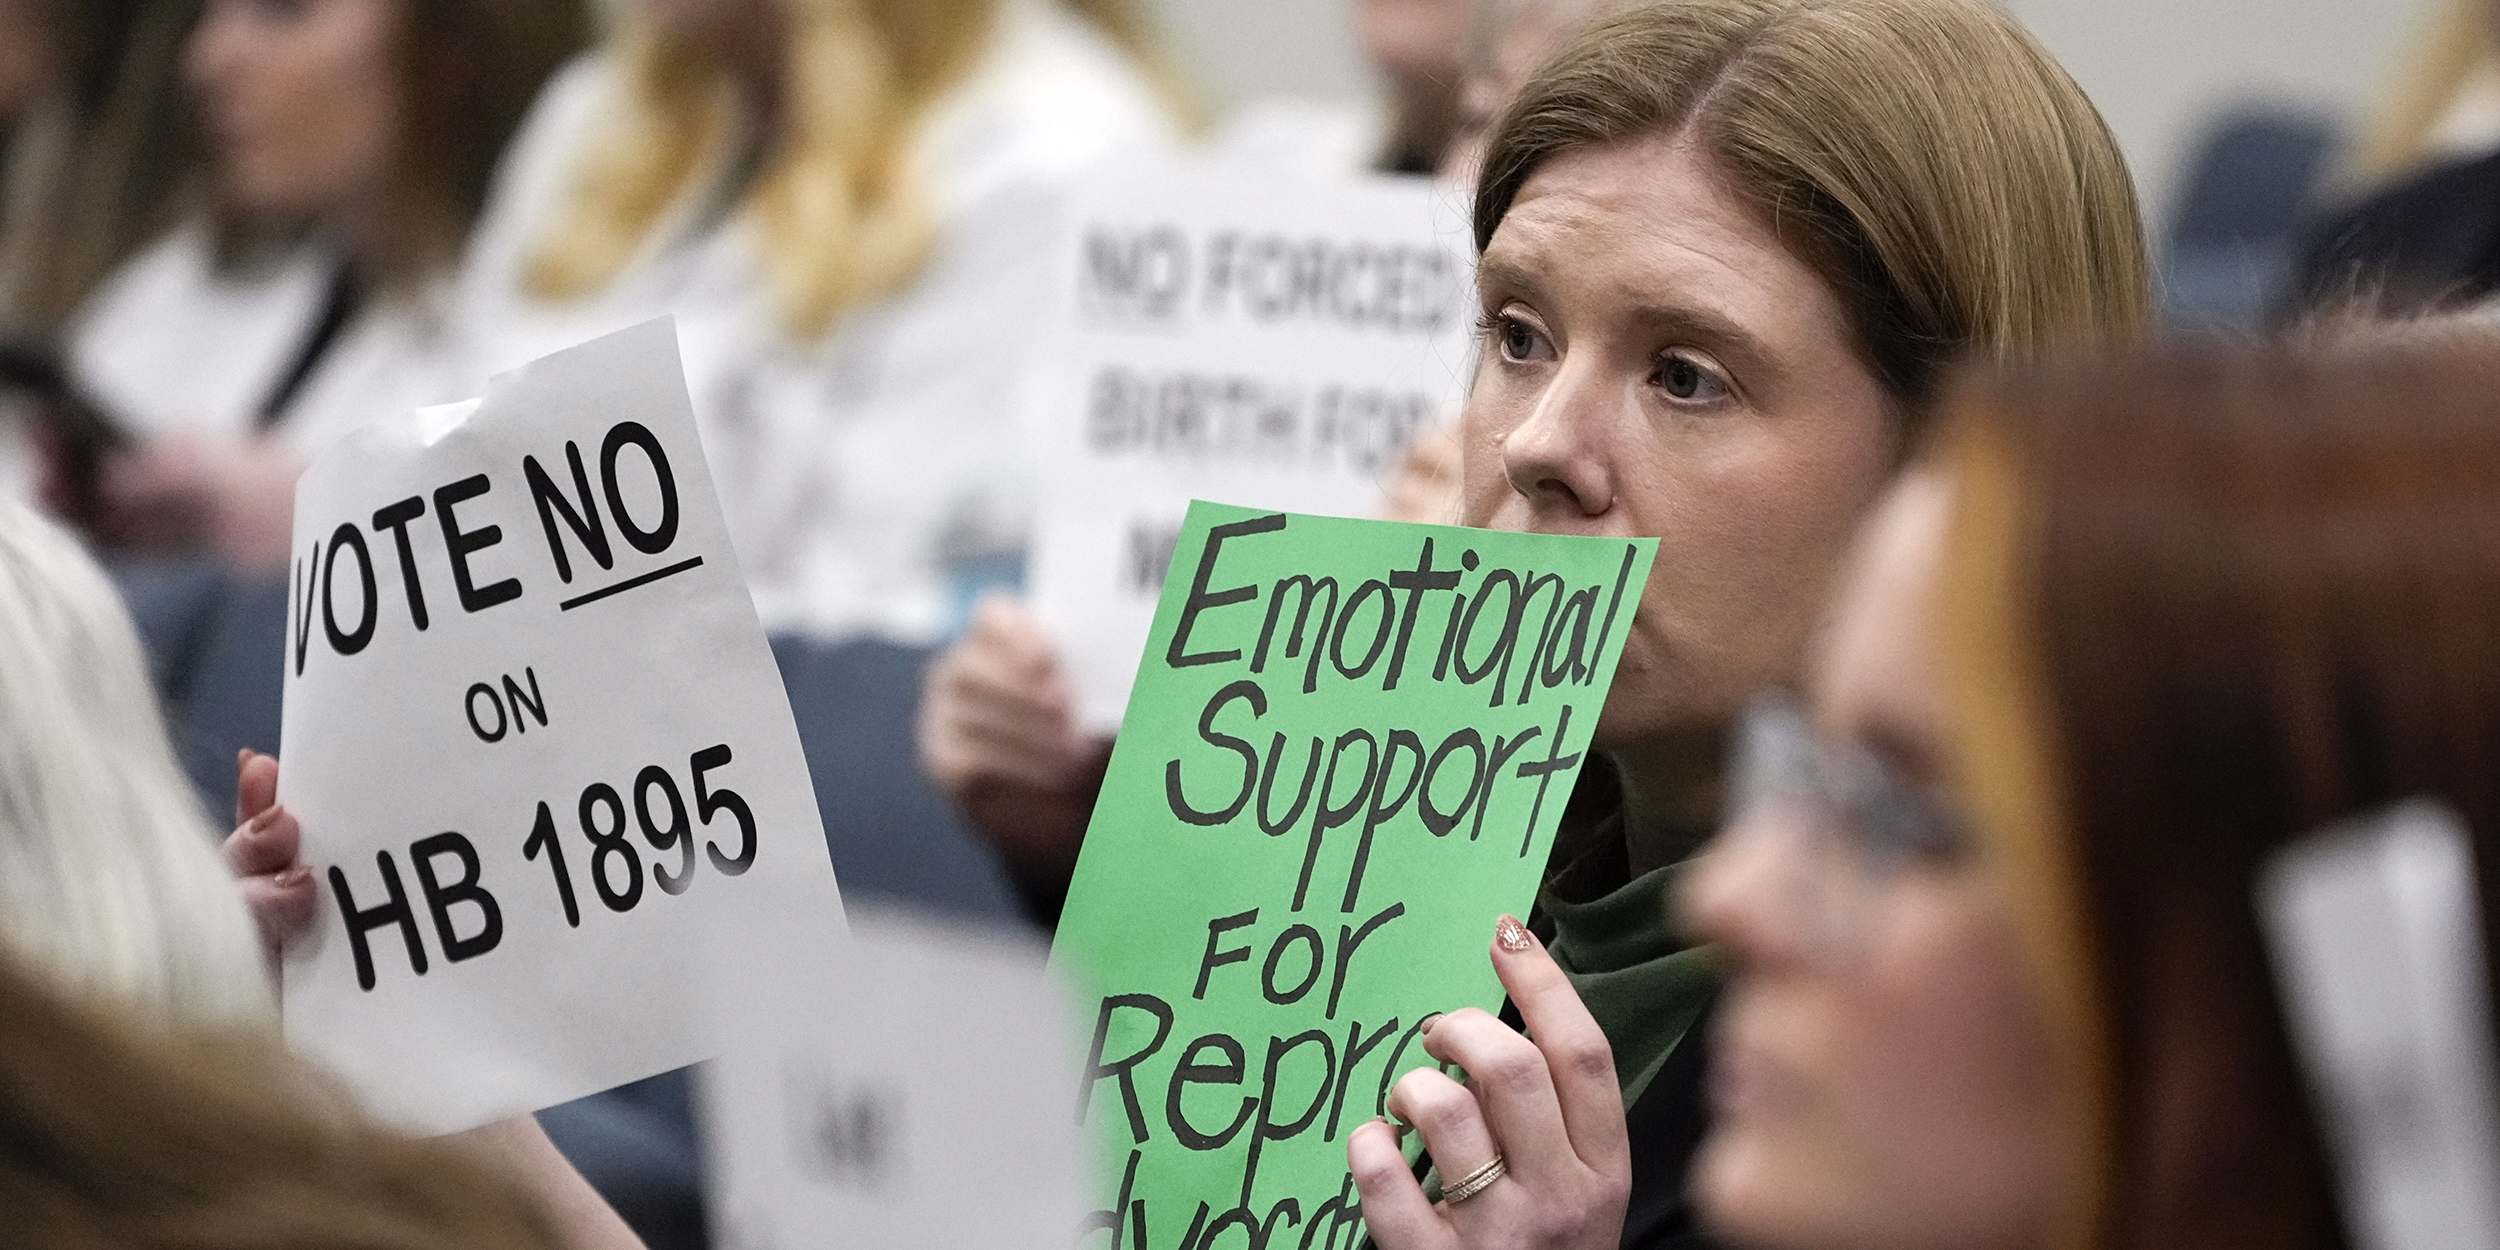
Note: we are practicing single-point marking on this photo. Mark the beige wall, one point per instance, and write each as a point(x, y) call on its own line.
point(2157, 67)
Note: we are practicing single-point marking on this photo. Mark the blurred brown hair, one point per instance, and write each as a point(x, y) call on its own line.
point(469, 69)
point(115, 1136)
point(1947, 180)
point(98, 168)
point(2202, 602)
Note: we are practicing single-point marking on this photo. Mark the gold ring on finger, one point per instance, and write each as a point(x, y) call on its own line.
point(1473, 1183)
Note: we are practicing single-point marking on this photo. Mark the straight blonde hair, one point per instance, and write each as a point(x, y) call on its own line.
point(110, 881)
point(840, 209)
point(1927, 157)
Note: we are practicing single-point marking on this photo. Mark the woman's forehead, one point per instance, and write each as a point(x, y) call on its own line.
point(1642, 217)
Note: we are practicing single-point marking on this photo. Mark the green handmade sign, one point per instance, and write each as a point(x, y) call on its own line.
point(1345, 756)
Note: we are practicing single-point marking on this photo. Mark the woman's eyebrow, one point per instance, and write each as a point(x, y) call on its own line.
point(1497, 271)
point(1713, 331)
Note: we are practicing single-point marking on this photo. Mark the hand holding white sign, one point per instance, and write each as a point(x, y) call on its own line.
point(537, 743)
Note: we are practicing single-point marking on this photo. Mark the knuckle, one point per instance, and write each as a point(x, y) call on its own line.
point(1435, 1105)
point(1521, 1065)
point(1375, 1171)
point(1588, 1058)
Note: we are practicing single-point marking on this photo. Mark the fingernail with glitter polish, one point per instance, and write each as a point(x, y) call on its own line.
point(1511, 935)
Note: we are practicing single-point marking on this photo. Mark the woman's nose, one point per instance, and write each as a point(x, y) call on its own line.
point(1741, 894)
point(1560, 457)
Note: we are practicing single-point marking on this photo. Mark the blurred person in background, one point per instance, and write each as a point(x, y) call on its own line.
point(96, 152)
point(1416, 50)
point(846, 206)
point(1659, 358)
point(2431, 240)
point(1418, 47)
point(352, 144)
point(97, 147)
point(1991, 905)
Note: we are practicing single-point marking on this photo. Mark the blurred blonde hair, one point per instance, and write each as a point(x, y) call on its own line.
point(2453, 46)
point(1927, 157)
point(127, 1134)
point(836, 201)
point(110, 882)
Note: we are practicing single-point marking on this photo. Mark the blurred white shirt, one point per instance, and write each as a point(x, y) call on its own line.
point(172, 345)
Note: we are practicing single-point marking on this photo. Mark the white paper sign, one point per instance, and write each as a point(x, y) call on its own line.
point(2378, 948)
point(538, 745)
point(1240, 338)
point(912, 1088)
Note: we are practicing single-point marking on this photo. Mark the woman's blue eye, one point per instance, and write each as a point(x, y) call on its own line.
point(1684, 378)
point(1517, 339)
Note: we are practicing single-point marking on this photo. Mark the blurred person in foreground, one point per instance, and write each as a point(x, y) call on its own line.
point(352, 144)
point(1659, 358)
point(109, 879)
point(847, 206)
point(130, 1134)
point(141, 1082)
point(1998, 979)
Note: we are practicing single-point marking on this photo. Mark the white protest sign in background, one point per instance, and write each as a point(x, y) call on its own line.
point(1242, 338)
point(914, 1087)
point(2375, 934)
point(538, 745)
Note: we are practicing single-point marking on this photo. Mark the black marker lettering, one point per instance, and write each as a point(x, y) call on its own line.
point(361, 922)
point(1327, 817)
point(395, 518)
point(1269, 1128)
point(1191, 1072)
point(1308, 590)
point(1267, 785)
point(1434, 819)
point(656, 539)
point(1201, 600)
point(1622, 576)
point(348, 642)
point(1122, 1070)
point(1380, 635)
point(1244, 689)
point(462, 545)
point(439, 897)
point(1357, 1045)
point(1214, 959)
point(584, 522)
point(1348, 941)
point(1554, 762)
point(1301, 934)
point(1416, 582)
point(1379, 811)
point(1503, 749)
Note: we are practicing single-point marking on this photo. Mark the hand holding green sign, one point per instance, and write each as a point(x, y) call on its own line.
point(1347, 751)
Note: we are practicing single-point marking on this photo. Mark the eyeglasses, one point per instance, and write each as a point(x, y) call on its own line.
point(1849, 821)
